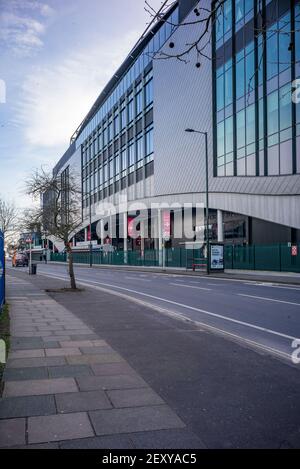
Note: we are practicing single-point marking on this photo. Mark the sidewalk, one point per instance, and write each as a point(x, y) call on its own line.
point(154, 382)
point(65, 387)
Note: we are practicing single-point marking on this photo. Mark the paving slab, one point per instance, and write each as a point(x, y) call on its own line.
point(12, 432)
point(28, 353)
point(28, 406)
point(66, 371)
point(58, 352)
point(16, 374)
point(82, 401)
point(99, 442)
point(59, 427)
point(134, 397)
point(90, 383)
point(134, 419)
point(100, 358)
point(47, 340)
point(39, 387)
point(34, 362)
point(26, 343)
point(82, 343)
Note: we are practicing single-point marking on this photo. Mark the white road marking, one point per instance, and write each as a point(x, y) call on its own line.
point(189, 286)
point(182, 317)
point(271, 285)
point(269, 299)
point(208, 313)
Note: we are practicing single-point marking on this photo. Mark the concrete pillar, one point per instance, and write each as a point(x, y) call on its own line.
point(85, 234)
point(125, 237)
point(220, 226)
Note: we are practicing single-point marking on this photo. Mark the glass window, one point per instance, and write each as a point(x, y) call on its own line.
point(131, 153)
point(273, 112)
point(239, 10)
point(139, 102)
point(124, 159)
point(116, 125)
point(272, 55)
point(220, 92)
point(297, 32)
point(284, 41)
point(111, 169)
point(240, 79)
point(105, 136)
point(149, 93)
point(248, 6)
point(240, 129)
point(149, 142)
point(110, 131)
point(227, 16)
point(250, 124)
point(285, 107)
point(140, 148)
point(249, 75)
point(229, 134)
point(130, 111)
point(123, 118)
point(117, 164)
point(220, 139)
point(105, 173)
point(228, 87)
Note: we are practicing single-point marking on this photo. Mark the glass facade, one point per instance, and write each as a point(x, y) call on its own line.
point(118, 141)
point(256, 59)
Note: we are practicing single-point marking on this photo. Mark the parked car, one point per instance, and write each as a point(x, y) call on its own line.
point(20, 260)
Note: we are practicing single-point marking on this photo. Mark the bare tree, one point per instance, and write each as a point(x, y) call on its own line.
point(8, 219)
point(208, 18)
point(59, 214)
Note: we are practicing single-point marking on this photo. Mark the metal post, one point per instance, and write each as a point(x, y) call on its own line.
point(207, 202)
point(207, 206)
point(91, 247)
point(125, 234)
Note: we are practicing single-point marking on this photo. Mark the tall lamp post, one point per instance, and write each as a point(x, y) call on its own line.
point(207, 202)
point(90, 229)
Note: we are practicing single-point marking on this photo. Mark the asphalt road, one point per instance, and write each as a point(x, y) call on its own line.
point(261, 315)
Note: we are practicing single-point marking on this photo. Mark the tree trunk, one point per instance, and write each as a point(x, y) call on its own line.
point(71, 267)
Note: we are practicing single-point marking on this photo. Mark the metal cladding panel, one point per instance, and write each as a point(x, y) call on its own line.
point(182, 98)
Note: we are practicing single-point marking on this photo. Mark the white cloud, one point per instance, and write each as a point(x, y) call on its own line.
point(57, 98)
point(21, 32)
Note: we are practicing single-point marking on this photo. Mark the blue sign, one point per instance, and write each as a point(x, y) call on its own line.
point(2, 272)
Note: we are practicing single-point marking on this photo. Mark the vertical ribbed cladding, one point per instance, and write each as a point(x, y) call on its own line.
point(185, 6)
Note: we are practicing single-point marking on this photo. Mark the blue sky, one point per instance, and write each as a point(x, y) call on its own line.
point(56, 56)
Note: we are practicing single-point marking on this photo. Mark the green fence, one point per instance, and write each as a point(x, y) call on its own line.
point(174, 257)
point(276, 257)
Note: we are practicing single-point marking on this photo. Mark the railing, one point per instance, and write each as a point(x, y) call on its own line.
point(174, 257)
point(276, 257)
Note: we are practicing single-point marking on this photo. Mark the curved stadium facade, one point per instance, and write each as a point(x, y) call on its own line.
point(137, 163)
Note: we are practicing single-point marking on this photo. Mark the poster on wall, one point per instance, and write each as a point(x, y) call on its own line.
point(166, 225)
point(2, 273)
point(217, 257)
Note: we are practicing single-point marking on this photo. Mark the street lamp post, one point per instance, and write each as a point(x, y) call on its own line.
point(90, 220)
point(207, 199)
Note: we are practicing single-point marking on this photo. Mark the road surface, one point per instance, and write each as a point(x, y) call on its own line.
point(262, 315)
